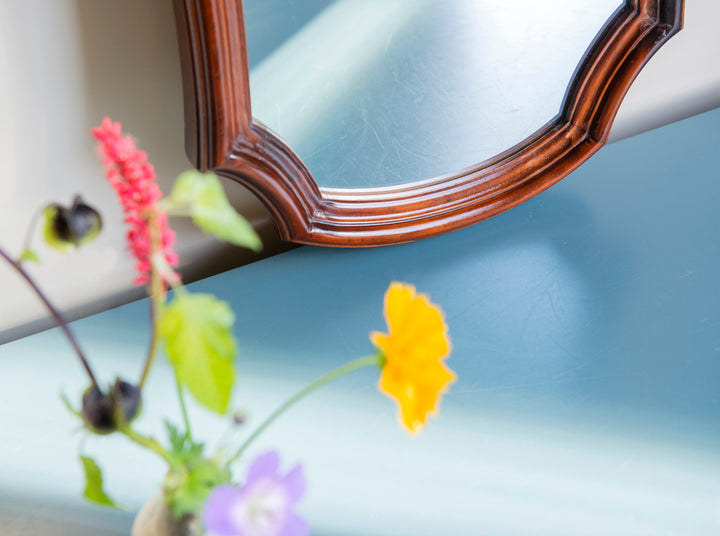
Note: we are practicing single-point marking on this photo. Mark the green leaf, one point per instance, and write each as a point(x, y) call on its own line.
point(201, 196)
point(197, 330)
point(94, 483)
point(29, 255)
point(182, 448)
point(177, 440)
point(193, 476)
point(187, 488)
point(66, 402)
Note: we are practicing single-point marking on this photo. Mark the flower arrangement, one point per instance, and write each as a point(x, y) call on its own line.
point(200, 493)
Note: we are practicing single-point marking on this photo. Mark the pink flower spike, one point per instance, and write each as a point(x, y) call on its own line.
point(134, 180)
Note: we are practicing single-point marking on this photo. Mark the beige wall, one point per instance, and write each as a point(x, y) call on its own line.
point(682, 79)
point(66, 63)
point(63, 65)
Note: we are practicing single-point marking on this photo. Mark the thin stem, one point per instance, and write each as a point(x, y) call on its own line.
point(181, 398)
point(59, 319)
point(30, 231)
point(148, 443)
point(351, 366)
point(156, 292)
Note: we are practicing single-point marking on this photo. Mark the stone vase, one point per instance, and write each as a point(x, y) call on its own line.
point(155, 519)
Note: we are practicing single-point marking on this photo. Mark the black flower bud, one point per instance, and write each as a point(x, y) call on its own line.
point(74, 225)
point(106, 412)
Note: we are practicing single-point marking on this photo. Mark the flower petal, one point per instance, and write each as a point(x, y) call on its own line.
point(414, 350)
point(216, 515)
point(294, 526)
point(265, 465)
point(295, 483)
point(398, 302)
point(380, 340)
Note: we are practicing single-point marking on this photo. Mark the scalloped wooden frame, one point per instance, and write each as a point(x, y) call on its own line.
point(222, 136)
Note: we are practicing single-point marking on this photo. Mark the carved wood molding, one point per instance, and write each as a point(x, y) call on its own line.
point(222, 136)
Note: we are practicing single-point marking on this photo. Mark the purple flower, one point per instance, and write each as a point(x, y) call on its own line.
point(262, 507)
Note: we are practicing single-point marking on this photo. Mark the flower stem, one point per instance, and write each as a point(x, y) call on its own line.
point(59, 319)
point(156, 294)
point(376, 359)
point(155, 291)
point(29, 233)
point(181, 398)
point(148, 443)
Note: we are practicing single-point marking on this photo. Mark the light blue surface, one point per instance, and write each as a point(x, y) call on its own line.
point(385, 92)
point(269, 23)
point(586, 333)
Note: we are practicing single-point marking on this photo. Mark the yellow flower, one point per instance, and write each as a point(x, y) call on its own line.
point(413, 373)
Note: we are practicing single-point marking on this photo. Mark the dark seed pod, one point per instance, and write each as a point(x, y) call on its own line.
point(106, 412)
point(74, 225)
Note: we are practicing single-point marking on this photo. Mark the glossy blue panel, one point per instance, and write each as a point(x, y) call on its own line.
point(586, 332)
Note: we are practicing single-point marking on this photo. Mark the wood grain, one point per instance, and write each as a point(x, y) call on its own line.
point(222, 136)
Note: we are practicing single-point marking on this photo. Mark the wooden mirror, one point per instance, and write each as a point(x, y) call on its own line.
point(384, 121)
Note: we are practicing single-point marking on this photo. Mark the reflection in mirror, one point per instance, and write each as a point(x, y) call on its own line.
point(385, 92)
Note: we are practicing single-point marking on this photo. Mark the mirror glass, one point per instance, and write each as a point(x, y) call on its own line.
point(373, 93)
